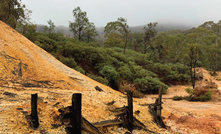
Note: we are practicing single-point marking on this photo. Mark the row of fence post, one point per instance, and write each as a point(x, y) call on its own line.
point(76, 111)
point(76, 114)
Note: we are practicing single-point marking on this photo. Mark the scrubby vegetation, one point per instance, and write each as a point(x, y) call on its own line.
point(177, 98)
point(146, 59)
point(202, 94)
point(219, 79)
point(161, 65)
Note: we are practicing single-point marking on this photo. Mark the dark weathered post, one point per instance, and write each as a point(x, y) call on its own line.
point(159, 101)
point(34, 114)
point(130, 110)
point(76, 104)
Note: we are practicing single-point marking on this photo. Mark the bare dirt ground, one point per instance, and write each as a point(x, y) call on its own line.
point(55, 83)
point(43, 74)
point(192, 117)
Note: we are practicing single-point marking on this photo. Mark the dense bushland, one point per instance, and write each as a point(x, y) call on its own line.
point(145, 59)
point(106, 65)
point(142, 58)
point(166, 61)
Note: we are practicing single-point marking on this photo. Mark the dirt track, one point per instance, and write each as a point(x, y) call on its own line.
point(192, 117)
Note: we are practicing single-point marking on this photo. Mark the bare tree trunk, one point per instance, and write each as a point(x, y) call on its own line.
point(125, 47)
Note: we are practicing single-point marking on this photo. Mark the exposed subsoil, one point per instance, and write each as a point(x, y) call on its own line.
point(55, 83)
point(27, 69)
point(193, 117)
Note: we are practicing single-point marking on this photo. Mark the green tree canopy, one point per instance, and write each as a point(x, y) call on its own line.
point(80, 22)
point(120, 26)
point(149, 33)
point(89, 32)
point(28, 29)
point(51, 26)
point(137, 41)
point(13, 11)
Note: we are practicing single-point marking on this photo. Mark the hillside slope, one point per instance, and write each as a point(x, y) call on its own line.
point(55, 83)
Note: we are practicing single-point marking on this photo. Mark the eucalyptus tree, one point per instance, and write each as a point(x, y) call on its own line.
point(205, 38)
point(137, 41)
point(209, 25)
point(89, 32)
point(80, 22)
point(28, 29)
point(120, 27)
point(215, 27)
point(51, 26)
point(217, 31)
point(12, 12)
point(113, 40)
point(149, 34)
point(192, 57)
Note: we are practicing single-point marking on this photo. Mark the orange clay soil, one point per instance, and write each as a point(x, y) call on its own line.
point(193, 117)
point(51, 80)
point(43, 74)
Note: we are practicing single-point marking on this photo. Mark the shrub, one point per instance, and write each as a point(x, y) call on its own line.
point(139, 71)
point(118, 56)
point(176, 98)
point(189, 90)
point(170, 73)
point(69, 62)
point(125, 73)
point(93, 44)
point(149, 84)
point(199, 92)
point(206, 97)
point(111, 75)
point(45, 42)
point(219, 79)
point(199, 95)
point(79, 69)
point(98, 78)
point(141, 59)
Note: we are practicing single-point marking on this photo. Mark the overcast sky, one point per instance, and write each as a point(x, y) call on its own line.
point(137, 12)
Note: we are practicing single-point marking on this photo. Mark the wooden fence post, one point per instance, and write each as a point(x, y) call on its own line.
point(130, 110)
point(76, 107)
point(34, 114)
point(159, 101)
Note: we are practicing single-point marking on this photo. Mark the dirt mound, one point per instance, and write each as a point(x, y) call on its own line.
point(26, 69)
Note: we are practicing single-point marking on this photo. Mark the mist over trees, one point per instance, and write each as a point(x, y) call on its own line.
point(143, 57)
point(161, 27)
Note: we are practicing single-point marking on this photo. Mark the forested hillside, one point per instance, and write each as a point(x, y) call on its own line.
point(126, 58)
point(167, 58)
